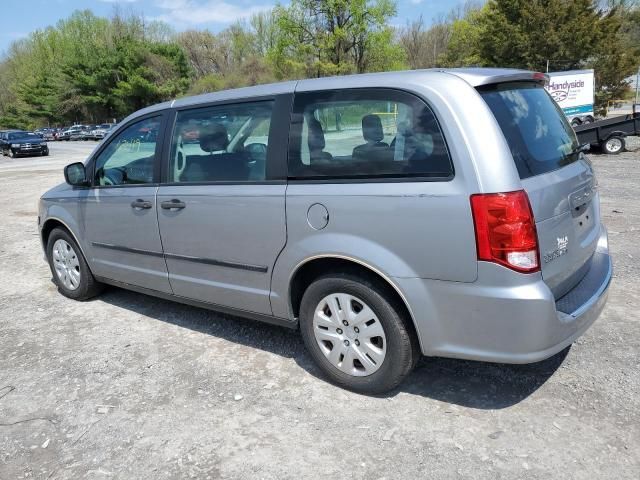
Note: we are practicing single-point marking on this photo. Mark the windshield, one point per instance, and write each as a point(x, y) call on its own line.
point(537, 132)
point(16, 135)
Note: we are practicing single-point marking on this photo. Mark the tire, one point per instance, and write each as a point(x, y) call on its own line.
point(86, 286)
point(386, 359)
point(613, 145)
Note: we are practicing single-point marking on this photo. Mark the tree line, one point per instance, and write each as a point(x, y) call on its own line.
point(92, 69)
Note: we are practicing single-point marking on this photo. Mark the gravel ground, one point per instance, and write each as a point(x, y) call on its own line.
point(131, 387)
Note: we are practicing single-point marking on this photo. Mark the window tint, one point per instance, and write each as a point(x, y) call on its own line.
point(536, 130)
point(17, 135)
point(366, 134)
point(129, 158)
point(221, 143)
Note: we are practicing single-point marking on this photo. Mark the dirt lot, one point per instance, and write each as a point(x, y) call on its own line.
point(131, 387)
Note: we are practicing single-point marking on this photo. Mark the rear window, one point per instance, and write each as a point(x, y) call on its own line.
point(537, 132)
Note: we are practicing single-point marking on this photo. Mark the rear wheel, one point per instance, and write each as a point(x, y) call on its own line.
point(71, 273)
point(613, 145)
point(357, 334)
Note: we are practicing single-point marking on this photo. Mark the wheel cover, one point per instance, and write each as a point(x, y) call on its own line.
point(349, 334)
point(614, 144)
point(66, 264)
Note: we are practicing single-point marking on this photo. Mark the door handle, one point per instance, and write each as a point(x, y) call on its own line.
point(139, 203)
point(173, 204)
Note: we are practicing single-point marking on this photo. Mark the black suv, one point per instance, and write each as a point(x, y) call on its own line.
point(16, 143)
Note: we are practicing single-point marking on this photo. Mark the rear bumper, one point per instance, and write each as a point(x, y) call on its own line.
point(504, 316)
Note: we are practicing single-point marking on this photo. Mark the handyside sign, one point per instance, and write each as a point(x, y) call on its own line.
point(573, 91)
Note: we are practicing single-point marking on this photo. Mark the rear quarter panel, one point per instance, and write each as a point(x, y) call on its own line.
point(404, 229)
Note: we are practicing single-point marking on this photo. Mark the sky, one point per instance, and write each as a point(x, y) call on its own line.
point(20, 17)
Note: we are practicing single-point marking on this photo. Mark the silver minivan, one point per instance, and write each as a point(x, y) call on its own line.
point(387, 216)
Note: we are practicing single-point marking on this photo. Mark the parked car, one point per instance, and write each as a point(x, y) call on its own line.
point(50, 134)
point(78, 133)
point(101, 131)
point(64, 133)
point(367, 211)
point(74, 133)
point(85, 134)
point(20, 143)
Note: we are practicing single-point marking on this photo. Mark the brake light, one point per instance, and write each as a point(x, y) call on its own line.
point(541, 77)
point(505, 230)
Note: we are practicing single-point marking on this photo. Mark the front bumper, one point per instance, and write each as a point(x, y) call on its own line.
point(25, 151)
point(504, 316)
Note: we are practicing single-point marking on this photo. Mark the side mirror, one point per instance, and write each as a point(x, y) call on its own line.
point(76, 175)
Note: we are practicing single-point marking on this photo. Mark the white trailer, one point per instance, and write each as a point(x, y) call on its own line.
point(573, 91)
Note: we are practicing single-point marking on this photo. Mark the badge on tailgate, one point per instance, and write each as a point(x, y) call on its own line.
point(563, 244)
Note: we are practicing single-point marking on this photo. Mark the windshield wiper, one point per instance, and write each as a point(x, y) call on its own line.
point(585, 147)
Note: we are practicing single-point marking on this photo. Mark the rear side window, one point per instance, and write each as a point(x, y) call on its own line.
point(537, 132)
point(223, 143)
point(367, 134)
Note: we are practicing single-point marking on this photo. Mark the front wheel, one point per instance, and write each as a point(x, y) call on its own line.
point(613, 145)
point(357, 333)
point(71, 273)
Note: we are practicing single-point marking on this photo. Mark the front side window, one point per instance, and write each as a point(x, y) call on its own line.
point(130, 157)
point(224, 143)
point(366, 134)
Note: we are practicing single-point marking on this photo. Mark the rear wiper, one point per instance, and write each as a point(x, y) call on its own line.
point(585, 147)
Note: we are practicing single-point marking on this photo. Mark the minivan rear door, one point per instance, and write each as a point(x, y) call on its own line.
point(556, 175)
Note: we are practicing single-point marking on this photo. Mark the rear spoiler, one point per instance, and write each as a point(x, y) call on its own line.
point(478, 77)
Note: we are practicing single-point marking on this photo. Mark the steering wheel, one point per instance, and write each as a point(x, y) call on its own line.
point(109, 177)
point(256, 150)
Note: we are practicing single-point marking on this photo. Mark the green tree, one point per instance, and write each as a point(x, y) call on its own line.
point(333, 37)
point(564, 34)
point(88, 68)
point(527, 33)
point(464, 39)
point(616, 57)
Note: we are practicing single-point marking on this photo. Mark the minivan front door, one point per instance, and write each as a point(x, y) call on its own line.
point(120, 214)
point(222, 212)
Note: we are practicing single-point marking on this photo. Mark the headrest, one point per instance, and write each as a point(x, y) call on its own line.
point(372, 128)
point(316, 135)
point(213, 138)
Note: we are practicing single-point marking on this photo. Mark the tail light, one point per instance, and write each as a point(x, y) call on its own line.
point(505, 230)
